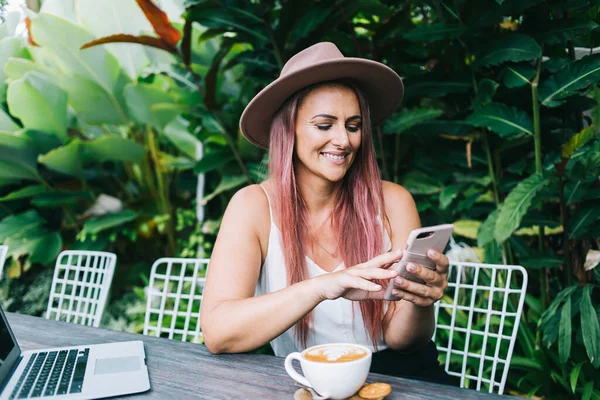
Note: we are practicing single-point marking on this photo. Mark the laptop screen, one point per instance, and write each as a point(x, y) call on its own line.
point(9, 350)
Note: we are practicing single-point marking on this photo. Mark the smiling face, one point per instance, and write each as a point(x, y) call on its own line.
point(328, 132)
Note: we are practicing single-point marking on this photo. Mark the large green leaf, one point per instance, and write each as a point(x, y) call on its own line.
point(15, 167)
point(570, 81)
point(15, 68)
point(6, 123)
point(212, 160)
point(307, 21)
point(228, 182)
point(16, 223)
point(9, 24)
point(564, 333)
point(65, 159)
point(516, 204)
point(92, 103)
point(108, 221)
point(113, 148)
point(590, 328)
point(562, 30)
point(177, 131)
point(434, 32)
point(23, 193)
point(448, 194)
point(440, 126)
point(514, 47)
point(517, 75)
point(486, 230)
point(408, 118)
point(582, 220)
point(578, 140)
point(418, 182)
point(35, 91)
point(41, 246)
point(9, 47)
point(505, 120)
point(427, 86)
point(64, 38)
point(60, 198)
point(215, 15)
point(108, 17)
point(149, 104)
point(486, 89)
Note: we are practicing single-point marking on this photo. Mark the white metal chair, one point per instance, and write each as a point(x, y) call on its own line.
point(3, 253)
point(174, 295)
point(80, 286)
point(477, 322)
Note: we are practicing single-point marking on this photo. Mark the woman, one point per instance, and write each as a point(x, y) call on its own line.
point(303, 258)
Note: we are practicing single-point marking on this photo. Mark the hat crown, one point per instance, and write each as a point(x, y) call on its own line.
point(314, 54)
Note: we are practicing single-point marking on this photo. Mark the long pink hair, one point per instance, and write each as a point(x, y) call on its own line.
point(355, 215)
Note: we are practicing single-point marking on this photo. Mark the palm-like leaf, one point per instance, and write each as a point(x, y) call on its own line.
point(408, 118)
point(515, 47)
point(435, 32)
point(570, 81)
point(516, 205)
point(505, 120)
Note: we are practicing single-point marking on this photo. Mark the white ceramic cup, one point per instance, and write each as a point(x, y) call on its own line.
point(335, 380)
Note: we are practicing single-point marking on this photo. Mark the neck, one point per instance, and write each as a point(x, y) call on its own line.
point(319, 195)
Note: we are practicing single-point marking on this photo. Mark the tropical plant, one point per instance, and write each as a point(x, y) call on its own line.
point(498, 134)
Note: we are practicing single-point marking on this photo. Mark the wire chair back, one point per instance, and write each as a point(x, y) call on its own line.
point(173, 299)
point(477, 322)
point(80, 286)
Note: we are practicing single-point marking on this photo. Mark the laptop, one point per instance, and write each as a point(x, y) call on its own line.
point(81, 372)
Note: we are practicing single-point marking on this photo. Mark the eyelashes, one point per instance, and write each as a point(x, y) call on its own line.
point(326, 127)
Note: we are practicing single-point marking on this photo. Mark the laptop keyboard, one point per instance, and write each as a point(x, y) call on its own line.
point(52, 373)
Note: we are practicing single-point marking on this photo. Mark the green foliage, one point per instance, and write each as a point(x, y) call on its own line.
point(490, 136)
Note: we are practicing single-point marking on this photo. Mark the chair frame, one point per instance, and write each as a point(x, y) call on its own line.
point(163, 294)
point(474, 287)
point(99, 267)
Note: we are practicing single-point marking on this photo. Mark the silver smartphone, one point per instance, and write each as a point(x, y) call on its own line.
point(419, 241)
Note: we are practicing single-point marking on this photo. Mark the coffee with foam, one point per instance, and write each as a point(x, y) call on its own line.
point(335, 353)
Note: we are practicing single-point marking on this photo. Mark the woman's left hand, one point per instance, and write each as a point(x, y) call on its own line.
point(424, 294)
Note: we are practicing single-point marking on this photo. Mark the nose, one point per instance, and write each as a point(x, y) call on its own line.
point(340, 138)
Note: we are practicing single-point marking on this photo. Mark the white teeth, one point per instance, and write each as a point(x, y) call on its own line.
point(331, 156)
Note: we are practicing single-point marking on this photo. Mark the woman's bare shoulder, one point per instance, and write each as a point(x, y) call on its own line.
point(250, 201)
point(396, 195)
point(401, 211)
point(248, 210)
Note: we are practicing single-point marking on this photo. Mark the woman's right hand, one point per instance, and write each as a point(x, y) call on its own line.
point(356, 282)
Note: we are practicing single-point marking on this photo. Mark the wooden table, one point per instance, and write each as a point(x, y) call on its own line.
point(189, 371)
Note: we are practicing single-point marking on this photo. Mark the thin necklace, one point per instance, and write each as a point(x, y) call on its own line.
point(334, 254)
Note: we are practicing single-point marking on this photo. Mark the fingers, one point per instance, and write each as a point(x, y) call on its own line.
point(363, 284)
point(416, 300)
point(374, 273)
point(430, 276)
point(382, 260)
point(431, 292)
point(440, 260)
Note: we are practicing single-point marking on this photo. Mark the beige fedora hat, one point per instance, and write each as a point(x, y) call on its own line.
point(320, 63)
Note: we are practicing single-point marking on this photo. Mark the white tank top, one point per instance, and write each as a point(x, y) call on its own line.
point(334, 321)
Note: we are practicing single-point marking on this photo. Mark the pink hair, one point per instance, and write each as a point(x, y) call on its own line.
point(355, 215)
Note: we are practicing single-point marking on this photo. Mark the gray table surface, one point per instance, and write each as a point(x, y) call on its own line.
point(189, 371)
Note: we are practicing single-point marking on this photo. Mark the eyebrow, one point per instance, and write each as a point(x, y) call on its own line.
point(334, 117)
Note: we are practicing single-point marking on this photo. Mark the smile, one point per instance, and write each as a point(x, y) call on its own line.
point(335, 158)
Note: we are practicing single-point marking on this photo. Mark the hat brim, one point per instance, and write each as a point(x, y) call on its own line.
point(379, 83)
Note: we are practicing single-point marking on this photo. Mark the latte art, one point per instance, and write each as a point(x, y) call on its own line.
point(335, 354)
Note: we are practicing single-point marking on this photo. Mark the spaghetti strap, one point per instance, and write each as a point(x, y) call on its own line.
point(269, 201)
